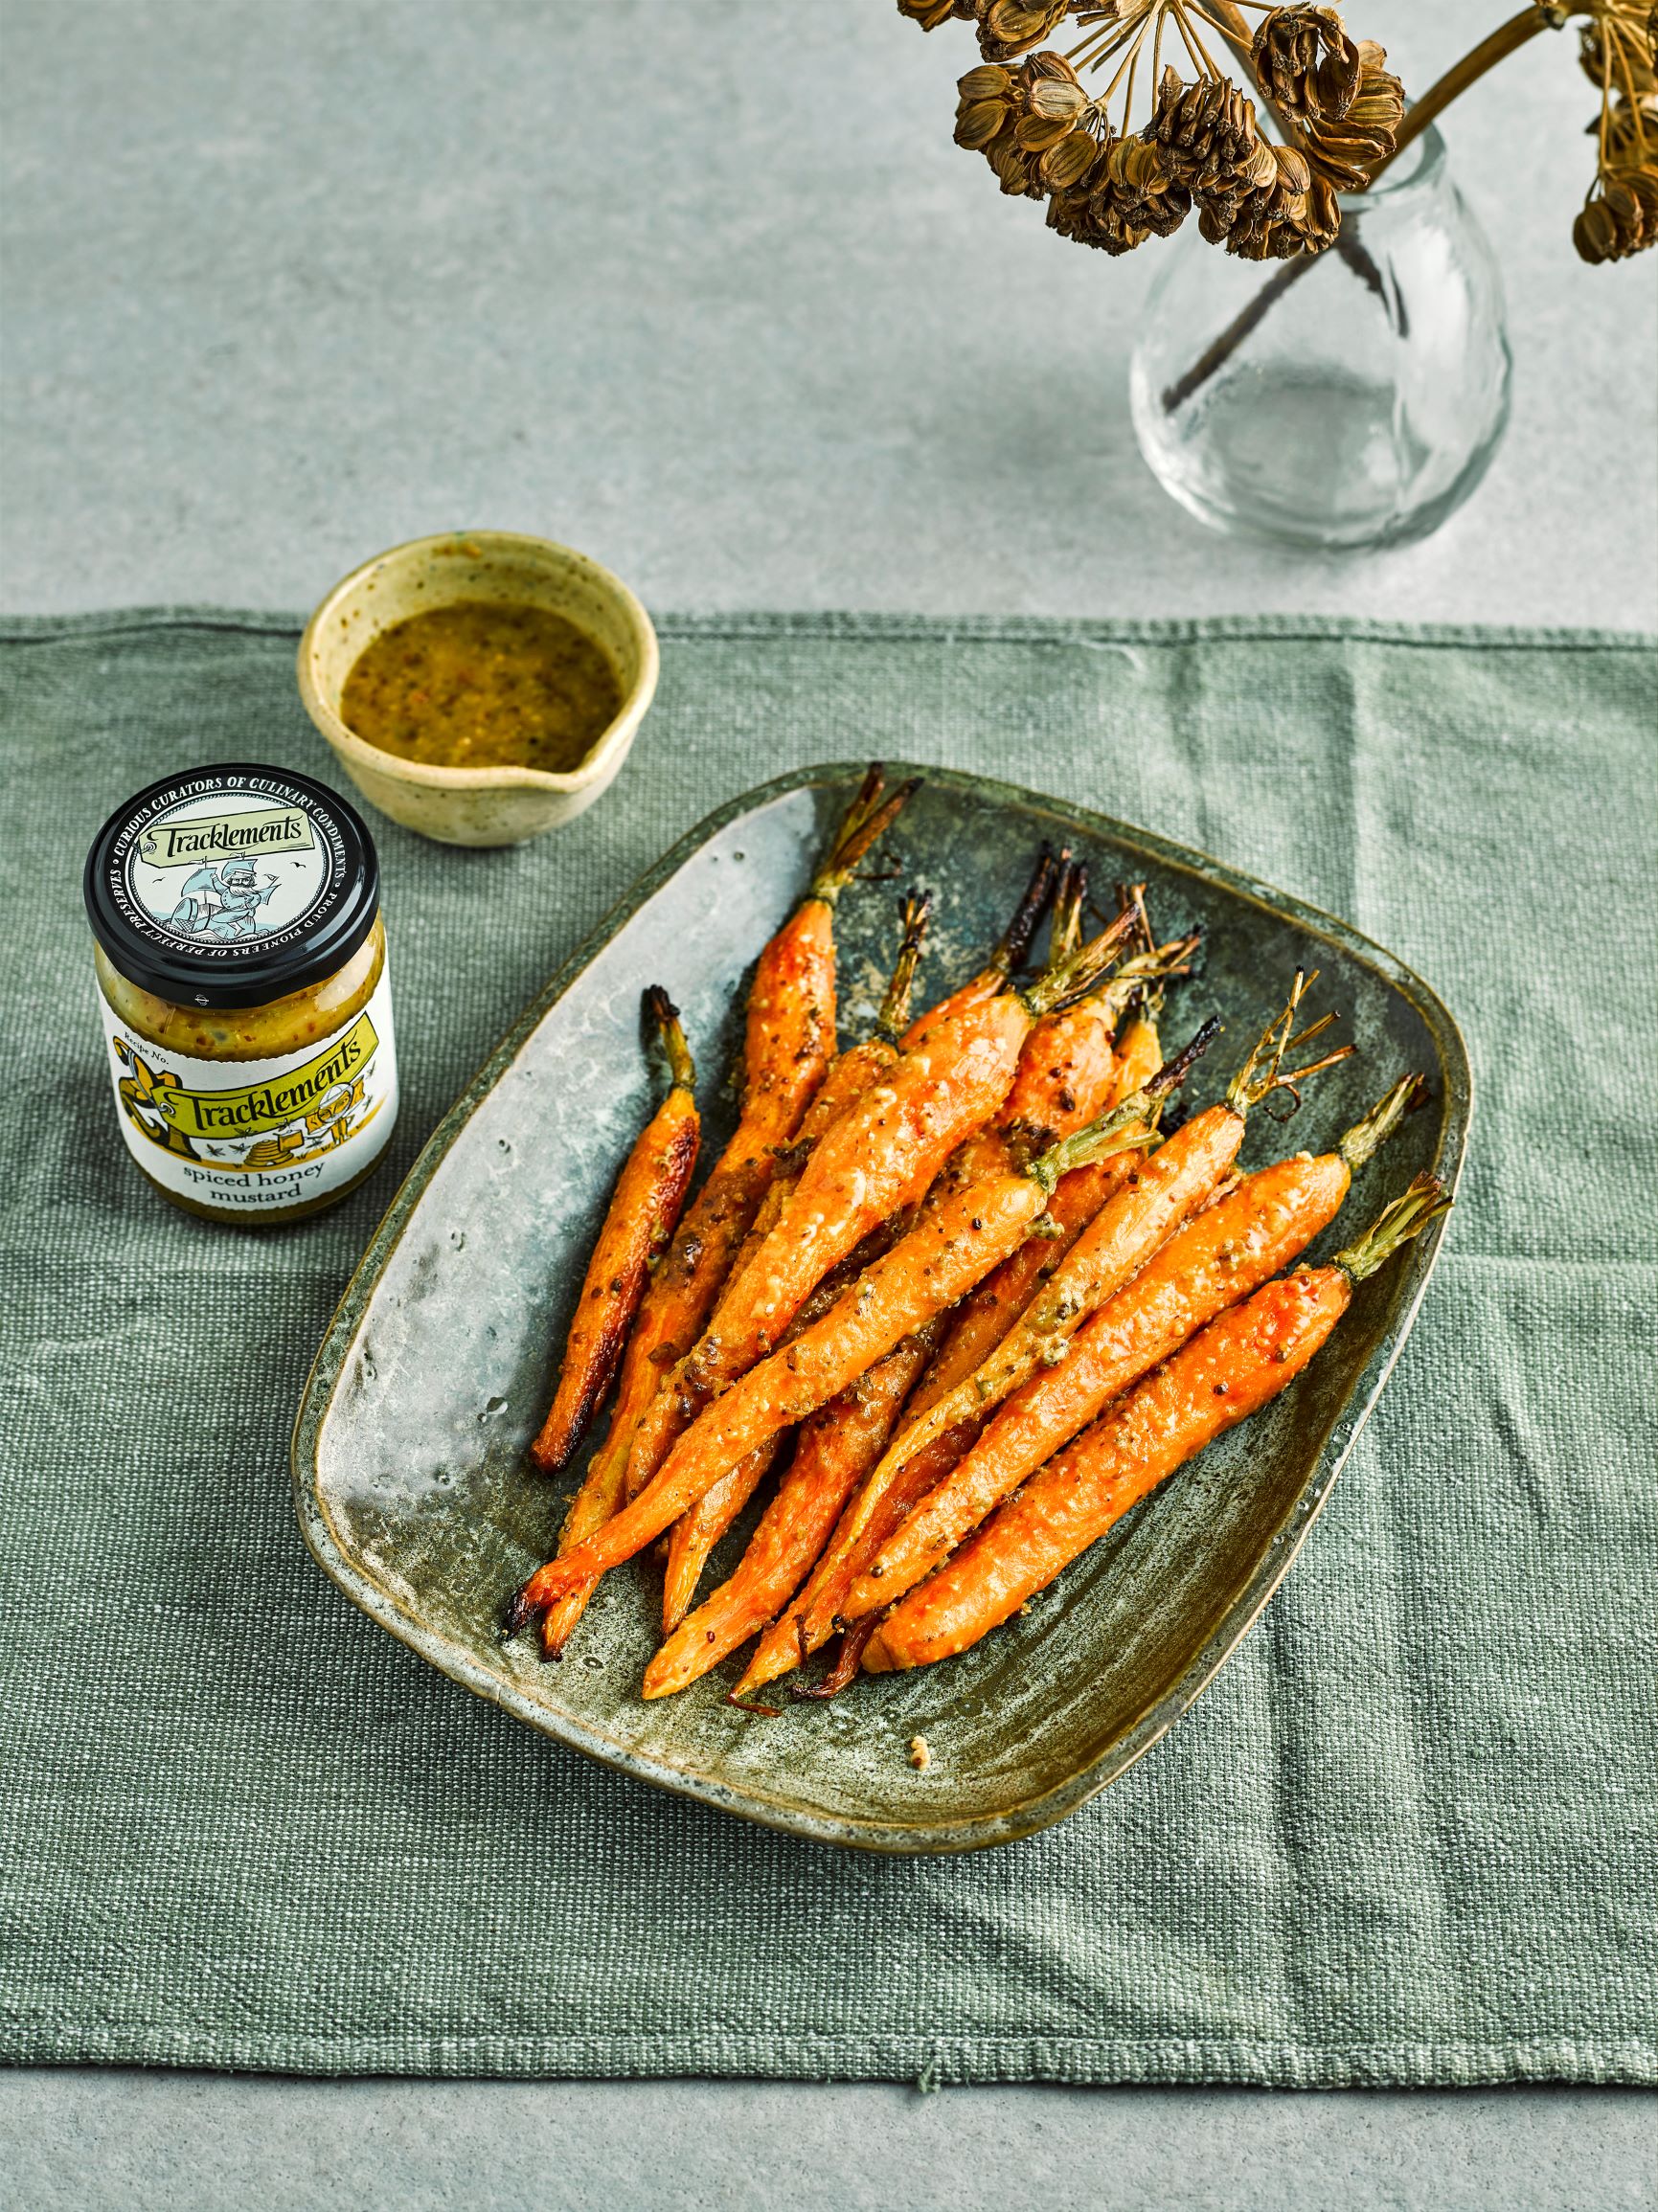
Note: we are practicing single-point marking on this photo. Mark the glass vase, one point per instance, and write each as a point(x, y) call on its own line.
point(1346, 401)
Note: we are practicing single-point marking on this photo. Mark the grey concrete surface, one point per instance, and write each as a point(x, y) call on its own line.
point(708, 292)
point(194, 2143)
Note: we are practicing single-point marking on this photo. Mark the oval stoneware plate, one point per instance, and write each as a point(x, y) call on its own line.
point(408, 1454)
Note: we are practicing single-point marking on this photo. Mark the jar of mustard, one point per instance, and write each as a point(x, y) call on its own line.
point(242, 980)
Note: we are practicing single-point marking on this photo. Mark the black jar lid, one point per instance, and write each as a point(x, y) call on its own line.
point(232, 886)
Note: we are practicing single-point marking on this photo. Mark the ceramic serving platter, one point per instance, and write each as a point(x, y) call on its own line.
point(408, 1454)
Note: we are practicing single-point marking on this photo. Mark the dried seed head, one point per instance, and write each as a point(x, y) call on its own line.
point(1619, 52)
point(1621, 215)
point(930, 13)
point(1012, 27)
point(1307, 65)
point(1034, 124)
point(1631, 33)
point(1123, 198)
point(1347, 152)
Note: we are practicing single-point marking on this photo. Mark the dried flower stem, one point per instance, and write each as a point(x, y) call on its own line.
point(1506, 39)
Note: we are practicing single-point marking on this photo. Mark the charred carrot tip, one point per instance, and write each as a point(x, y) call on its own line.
point(1173, 1073)
point(845, 1666)
point(1015, 941)
point(744, 1706)
point(518, 1614)
point(662, 1011)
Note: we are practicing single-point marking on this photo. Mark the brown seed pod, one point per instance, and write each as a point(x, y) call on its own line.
point(1034, 124)
point(930, 13)
point(1008, 28)
point(1633, 35)
point(1348, 152)
point(1127, 197)
point(1306, 64)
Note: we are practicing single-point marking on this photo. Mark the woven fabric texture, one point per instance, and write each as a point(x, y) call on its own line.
point(1405, 1837)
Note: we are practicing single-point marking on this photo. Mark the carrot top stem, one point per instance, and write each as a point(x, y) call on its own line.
point(1016, 939)
point(1065, 921)
point(681, 1067)
point(1080, 975)
point(1131, 898)
point(869, 816)
point(1365, 1138)
point(1143, 974)
point(894, 1018)
point(1117, 1131)
point(1410, 1213)
point(1264, 1072)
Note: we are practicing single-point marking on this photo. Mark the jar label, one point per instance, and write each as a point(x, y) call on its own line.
point(253, 1135)
point(216, 863)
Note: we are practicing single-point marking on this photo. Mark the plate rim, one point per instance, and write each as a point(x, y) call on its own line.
point(882, 1835)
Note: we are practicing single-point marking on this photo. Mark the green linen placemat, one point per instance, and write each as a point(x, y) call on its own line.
point(1405, 1837)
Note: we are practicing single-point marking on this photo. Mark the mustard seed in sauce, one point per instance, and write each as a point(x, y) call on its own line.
point(483, 685)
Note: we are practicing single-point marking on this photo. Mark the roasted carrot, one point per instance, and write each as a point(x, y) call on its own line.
point(835, 1448)
point(697, 1533)
point(872, 1515)
point(790, 1038)
point(1004, 961)
point(980, 1322)
point(644, 1209)
point(1231, 1247)
point(949, 1248)
point(1155, 1195)
point(984, 1319)
point(1229, 1371)
point(878, 1159)
point(1154, 1198)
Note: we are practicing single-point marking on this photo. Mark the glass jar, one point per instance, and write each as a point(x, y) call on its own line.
point(1347, 400)
point(241, 974)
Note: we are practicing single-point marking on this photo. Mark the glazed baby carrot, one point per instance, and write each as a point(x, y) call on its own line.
point(1155, 1197)
point(1231, 1368)
point(865, 1525)
point(980, 1322)
point(880, 1158)
point(790, 1037)
point(984, 1319)
point(836, 1448)
point(876, 1511)
point(1228, 1251)
point(949, 1250)
point(697, 1533)
point(1068, 1101)
point(644, 1208)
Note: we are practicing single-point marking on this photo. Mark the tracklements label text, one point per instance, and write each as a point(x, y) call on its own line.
point(259, 1135)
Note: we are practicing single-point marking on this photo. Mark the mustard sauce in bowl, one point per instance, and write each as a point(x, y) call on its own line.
point(482, 686)
point(479, 684)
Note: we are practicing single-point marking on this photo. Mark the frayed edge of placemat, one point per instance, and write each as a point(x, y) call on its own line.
point(927, 2063)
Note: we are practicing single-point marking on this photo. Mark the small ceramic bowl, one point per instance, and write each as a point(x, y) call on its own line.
point(476, 805)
